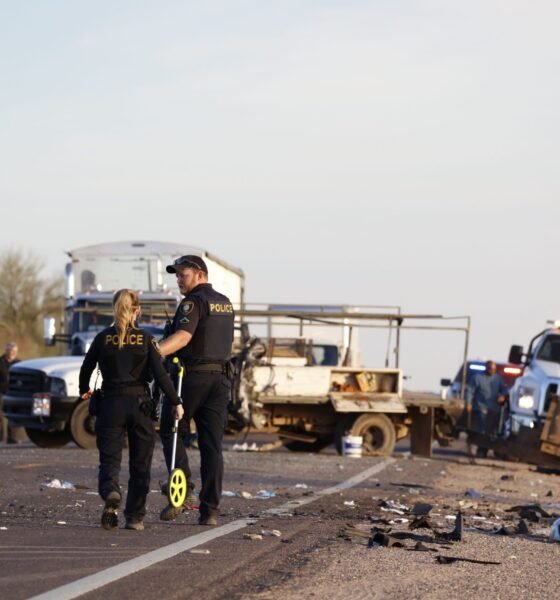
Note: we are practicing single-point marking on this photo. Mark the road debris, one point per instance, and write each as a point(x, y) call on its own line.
point(57, 484)
point(472, 493)
point(555, 531)
point(245, 447)
point(449, 560)
point(199, 551)
point(264, 494)
point(252, 536)
point(271, 533)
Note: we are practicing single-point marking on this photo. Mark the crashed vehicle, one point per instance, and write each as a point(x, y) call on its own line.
point(312, 393)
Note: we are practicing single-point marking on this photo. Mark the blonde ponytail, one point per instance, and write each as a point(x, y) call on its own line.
point(125, 303)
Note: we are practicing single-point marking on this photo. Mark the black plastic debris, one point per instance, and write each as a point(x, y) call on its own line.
point(449, 560)
point(531, 512)
point(420, 547)
point(507, 477)
point(549, 494)
point(383, 539)
point(422, 522)
point(506, 530)
point(421, 508)
point(457, 534)
point(522, 527)
point(419, 486)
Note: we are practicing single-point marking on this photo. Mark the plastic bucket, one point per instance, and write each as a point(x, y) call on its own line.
point(352, 445)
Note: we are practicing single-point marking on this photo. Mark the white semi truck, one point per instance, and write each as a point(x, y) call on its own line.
point(43, 393)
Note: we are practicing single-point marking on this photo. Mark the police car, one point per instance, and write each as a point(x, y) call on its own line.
point(452, 388)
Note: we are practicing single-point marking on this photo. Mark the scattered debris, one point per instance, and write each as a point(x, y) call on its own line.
point(555, 531)
point(245, 447)
point(382, 539)
point(271, 533)
point(421, 522)
point(396, 507)
point(252, 536)
point(302, 486)
point(3, 529)
point(60, 485)
point(531, 512)
point(549, 494)
point(507, 477)
point(229, 494)
point(264, 494)
point(421, 508)
point(245, 495)
point(350, 503)
point(421, 547)
point(449, 560)
point(61, 522)
point(472, 493)
point(399, 521)
point(457, 534)
point(199, 551)
point(413, 485)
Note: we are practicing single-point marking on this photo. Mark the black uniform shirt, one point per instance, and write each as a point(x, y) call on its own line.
point(130, 366)
point(4, 369)
point(208, 316)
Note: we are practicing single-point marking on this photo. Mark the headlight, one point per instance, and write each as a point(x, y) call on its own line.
point(527, 398)
point(58, 387)
point(41, 405)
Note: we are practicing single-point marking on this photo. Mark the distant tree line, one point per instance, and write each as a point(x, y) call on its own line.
point(26, 296)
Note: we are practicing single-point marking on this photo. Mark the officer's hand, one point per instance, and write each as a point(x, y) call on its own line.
point(501, 399)
point(87, 395)
point(179, 412)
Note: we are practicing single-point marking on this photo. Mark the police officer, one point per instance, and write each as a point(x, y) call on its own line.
point(7, 360)
point(202, 337)
point(127, 356)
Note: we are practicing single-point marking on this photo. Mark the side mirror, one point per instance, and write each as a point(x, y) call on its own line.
point(445, 382)
point(516, 355)
point(49, 330)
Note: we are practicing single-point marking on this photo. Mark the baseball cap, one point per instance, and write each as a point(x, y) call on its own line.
point(189, 261)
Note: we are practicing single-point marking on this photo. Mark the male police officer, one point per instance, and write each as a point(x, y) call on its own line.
point(202, 337)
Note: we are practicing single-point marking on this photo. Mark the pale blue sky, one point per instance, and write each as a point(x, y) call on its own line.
point(358, 152)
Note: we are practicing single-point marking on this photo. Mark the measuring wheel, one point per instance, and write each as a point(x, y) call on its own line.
point(177, 488)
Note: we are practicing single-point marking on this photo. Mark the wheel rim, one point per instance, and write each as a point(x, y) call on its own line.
point(374, 438)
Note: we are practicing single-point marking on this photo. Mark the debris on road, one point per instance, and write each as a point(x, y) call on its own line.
point(555, 531)
point(265, 494)
point(472, 493)
point(57, 484)
point(252, 536)
point(350, 503)
point(199, 551)
point(245, 447)
point(271, 533)
point(449, 560)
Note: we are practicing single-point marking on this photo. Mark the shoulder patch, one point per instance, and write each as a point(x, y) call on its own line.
point(155, 345)
point(184, 320)
point(187, 307)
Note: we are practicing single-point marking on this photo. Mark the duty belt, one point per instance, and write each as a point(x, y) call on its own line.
point(206, 368)
point(127, 390)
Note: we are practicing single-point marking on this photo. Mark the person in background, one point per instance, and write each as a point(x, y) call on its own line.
point(8, 359)
point(488, 395)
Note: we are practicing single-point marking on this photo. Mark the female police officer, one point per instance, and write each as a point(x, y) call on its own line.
point(125, 354)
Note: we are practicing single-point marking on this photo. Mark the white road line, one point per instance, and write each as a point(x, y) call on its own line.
point(97, 580)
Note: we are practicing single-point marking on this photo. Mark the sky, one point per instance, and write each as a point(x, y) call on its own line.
point(344, 151)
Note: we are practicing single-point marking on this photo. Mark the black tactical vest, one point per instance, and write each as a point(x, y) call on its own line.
point(213, 337)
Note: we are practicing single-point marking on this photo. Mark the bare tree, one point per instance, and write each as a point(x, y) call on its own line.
point(26, 295)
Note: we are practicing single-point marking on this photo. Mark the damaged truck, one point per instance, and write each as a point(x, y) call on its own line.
point(310, 388)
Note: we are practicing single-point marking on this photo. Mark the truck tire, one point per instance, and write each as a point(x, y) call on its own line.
point(82, 427)
point(48, 439)
point(299, 446)
point(377, 430)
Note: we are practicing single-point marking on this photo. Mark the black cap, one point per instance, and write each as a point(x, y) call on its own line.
point(189, 261)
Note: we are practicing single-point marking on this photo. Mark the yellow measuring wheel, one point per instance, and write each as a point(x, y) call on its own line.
point(177, 484)
point(177, 488)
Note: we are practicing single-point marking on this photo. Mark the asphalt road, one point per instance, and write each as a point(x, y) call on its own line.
point(51, 542)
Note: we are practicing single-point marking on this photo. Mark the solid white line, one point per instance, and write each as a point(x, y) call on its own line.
point(101, 578)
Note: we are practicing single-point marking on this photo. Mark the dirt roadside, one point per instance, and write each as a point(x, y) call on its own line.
point(348, 568)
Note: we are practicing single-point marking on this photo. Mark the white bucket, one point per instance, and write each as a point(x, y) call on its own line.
point(352, 445)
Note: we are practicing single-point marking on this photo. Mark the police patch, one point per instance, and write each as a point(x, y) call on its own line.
point(187, 307)
point(184, 320)
point(156, 345)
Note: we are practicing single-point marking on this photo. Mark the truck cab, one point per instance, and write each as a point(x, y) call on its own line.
point(532, 393)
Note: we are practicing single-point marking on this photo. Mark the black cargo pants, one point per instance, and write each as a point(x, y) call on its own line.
point(206, 396)
point(119, 415)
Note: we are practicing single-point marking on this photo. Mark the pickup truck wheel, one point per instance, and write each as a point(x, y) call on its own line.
point(377, 430)
point(299, 446)
point(82, 427)
point(48, 439)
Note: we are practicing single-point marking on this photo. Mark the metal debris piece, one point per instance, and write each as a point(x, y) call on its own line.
point(449, 560)
point(271, 533)
point(421, 508)
point(252, 536)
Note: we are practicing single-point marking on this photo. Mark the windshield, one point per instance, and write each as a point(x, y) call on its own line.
point(550, 350)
